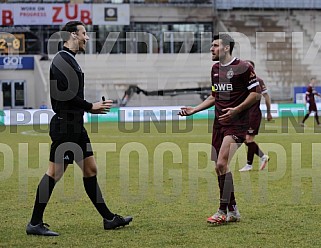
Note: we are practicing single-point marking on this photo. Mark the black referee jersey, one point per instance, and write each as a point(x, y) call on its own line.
point(67, 87)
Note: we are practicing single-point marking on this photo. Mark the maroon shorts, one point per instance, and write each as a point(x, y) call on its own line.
point(312, 107)
point(238, 134)
point(254, 122)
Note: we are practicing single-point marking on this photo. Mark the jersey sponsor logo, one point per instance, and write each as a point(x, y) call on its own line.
point(222, 87)
point(230, 73)
point(216, 75)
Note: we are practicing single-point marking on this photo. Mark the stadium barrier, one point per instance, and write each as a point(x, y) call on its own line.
point(2, 118)
point(135, 114)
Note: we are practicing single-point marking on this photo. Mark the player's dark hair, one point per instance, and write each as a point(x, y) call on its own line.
point(72, 26)
point(227, 40)
point(251, 62)
point(69, 28)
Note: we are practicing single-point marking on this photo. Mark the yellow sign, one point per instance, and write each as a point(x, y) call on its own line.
point(12, 43)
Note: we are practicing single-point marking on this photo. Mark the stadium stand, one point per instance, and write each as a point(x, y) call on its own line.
point(271, 39)
point(283, 41)
point(278, 57)
point(112, 74)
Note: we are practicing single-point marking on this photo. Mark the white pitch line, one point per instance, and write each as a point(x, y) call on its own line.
point(209, 134)
point(33, 133)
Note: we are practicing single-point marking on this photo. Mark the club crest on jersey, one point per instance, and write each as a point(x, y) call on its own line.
point(230, 73)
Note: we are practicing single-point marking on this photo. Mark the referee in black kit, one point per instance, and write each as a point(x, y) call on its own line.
point(70, 141)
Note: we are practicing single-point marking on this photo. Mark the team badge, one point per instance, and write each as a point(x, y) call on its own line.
point(230, 74)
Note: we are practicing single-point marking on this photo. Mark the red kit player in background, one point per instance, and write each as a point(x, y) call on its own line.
point(254, 126)
point(309, 97)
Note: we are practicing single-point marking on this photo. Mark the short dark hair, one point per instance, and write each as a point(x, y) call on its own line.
point(69, 28)
point(251, 62)
point(72, 26)
point(227, 40)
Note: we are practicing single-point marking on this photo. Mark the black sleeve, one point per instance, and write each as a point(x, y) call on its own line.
point(81, 103)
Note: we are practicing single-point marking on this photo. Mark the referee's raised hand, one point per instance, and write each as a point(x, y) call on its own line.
point(101, 107)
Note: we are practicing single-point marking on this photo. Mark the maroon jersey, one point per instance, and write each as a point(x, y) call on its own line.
point(231, 85)
point(309, 95)
point(255, 111)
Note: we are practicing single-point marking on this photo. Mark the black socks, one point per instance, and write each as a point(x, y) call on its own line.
point(253, 148)
point(93, 191)
point(44, 191)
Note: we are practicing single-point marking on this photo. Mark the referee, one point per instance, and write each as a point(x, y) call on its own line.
point(70, 141)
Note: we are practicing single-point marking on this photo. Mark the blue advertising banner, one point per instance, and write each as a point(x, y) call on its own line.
point(16, 62)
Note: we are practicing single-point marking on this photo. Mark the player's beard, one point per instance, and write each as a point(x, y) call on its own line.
point(215, 57)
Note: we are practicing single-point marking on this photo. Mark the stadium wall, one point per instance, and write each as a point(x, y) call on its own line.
point(111, 75)
point(272, 4)
point(19, 69)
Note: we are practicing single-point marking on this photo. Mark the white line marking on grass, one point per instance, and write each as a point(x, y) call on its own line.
point(33, 133)
point(187, 136)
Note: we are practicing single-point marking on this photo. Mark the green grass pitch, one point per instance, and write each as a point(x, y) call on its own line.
point(161, 174)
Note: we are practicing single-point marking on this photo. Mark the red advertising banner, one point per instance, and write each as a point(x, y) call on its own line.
point(6, 14)
point(58, 14)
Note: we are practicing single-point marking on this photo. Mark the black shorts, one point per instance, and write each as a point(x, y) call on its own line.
point(70, 141)
point(237, 133)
